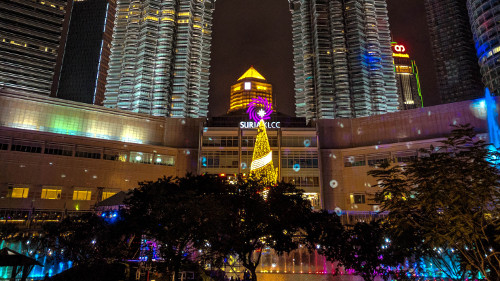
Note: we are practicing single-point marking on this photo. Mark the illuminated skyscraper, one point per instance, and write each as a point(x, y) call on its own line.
point(250, 85)
point(342, 58)
point(408, 82)
point(86, 57)
point(32, 41)
point(484, 17)
point(454, 55)
point(160, 57)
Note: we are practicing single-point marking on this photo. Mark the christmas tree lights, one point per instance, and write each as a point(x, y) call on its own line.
point(262, 166)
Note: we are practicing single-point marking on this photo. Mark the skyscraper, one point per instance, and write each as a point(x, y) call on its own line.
point(160, 57)
point(32, 41)
point(484, 18)
point(454, 55)
point(342, 58)
point(86, 57)
point(408, 82)
point(250, 85)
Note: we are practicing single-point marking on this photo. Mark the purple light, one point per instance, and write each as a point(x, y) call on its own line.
point(259, 109)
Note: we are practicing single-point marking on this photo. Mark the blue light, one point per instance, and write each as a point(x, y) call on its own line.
point(492, 117)
point(307, 143)
point(296, 167)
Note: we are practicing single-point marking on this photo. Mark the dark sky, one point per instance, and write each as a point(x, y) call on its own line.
point(258, 33)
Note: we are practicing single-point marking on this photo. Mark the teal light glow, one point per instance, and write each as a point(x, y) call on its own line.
point(50, 266)
point(492, 117)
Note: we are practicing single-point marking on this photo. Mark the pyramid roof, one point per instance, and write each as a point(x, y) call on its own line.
point(252, 73)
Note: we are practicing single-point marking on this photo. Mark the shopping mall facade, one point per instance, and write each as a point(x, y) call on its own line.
point(63, 156)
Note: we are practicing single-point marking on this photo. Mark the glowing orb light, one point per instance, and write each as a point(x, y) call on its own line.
point(296, 167)
point(334, 183)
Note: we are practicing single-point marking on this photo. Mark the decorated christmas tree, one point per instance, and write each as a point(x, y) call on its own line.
point(262, 167)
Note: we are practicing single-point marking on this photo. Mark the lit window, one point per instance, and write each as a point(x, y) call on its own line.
point(82, 194)
point(20, 192)
point(248, 86)
point(165, 160)
point(357, 198)
point(107, 194)
point(48, 193)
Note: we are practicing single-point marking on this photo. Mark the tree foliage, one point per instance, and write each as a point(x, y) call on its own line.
point(176, 213)
point(362, 248)
point(449, 198)
point(260, 217)
point(87, 239)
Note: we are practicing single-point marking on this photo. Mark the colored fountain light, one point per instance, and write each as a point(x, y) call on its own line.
point(259, 109)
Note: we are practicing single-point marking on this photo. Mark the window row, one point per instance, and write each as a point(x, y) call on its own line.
point(249, 141)
point(376, 159)
point(54, 193)
point(87, 152)
point(302, 181)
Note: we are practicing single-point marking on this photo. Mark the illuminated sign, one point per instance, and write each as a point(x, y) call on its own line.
point(248, 85)
point(259, 109)
point(251, 125)
point(399, 48)
point(401, 55)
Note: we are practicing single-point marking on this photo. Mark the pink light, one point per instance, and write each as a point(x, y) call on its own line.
point(260, 106)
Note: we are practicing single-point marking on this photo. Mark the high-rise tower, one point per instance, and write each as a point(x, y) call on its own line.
point(160, 57)
point(32, 41)
point(342, 58)
point(249, 86)
point(454, 55)
point(484, 17)
point(408, 82)
point(86, 57)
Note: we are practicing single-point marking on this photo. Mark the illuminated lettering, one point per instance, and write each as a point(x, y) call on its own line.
point(251, 125)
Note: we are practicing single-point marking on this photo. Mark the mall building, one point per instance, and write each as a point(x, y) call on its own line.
point(62, 156)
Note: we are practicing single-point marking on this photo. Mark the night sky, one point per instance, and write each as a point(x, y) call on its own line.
point(258, 33)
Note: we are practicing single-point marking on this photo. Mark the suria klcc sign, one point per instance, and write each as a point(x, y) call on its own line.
point(259, 109)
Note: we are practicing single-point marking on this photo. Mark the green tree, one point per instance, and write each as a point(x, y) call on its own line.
point(449, 197)
point(177, 215)
point(86, 240)
point(363, 247)
point(260, 217)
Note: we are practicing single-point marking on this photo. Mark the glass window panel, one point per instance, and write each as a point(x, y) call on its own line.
point(50, 193)
point(82, 194)
point(20, 192)
point(107, 194)
point(141, 157)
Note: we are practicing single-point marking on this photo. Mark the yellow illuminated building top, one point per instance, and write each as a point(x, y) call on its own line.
point(250, 85)
point(252, 73)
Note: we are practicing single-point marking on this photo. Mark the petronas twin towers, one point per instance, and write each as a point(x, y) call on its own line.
point(160, 57)
point(343, 67)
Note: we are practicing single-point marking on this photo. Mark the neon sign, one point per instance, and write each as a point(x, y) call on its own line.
point(251, 125)
point(259, 109)
point(399, 48)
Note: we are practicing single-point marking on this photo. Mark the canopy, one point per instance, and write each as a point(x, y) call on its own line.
point(9, 257)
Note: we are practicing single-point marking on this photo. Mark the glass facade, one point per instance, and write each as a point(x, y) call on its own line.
point(86, 57)
point(342, 59)
point(407, 79)
point(160, 57)
point(23, 111)
point(485, 21)
point(294, 153)
point(32, 40)
point(453, 49)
